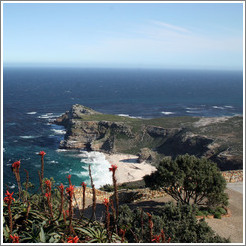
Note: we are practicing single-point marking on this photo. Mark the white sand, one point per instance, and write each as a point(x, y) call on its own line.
point(128, 168)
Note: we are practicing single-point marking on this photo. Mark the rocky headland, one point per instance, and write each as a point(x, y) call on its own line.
point(219, 139)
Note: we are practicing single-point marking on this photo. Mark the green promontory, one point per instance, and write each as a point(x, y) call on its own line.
point(219, 139)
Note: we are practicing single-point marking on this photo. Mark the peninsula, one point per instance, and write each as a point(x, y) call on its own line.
point(219, 139)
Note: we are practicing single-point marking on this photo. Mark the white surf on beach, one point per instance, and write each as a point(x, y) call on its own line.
point(99, 167)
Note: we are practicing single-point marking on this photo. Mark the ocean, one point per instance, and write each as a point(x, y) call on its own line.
point(33, 97)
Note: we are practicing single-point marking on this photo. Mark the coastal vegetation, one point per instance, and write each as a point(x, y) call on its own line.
point(219, 139)
point(190, 180)
point(51, 215)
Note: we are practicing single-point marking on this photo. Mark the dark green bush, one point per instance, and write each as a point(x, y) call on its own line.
point(190, 180)
point(217, 215)
point(221, 210)
point(178, 221)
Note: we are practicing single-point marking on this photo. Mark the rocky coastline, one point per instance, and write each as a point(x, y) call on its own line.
point(219, 139)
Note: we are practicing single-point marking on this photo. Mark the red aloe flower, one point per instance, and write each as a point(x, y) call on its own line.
point(73, 239)
point(16, 165)
point(83, 184)
point(113, 168)
point(70, 190)
point(48, 183)
point(61, 187)
point(42, 153)
point(156, 238)
point(69, 179)
point(15, 238)
point(122, 233)
point(48, 195)
point(106, 202)
point(8, 199)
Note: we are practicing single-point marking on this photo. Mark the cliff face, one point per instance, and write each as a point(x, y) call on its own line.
point(153, 139)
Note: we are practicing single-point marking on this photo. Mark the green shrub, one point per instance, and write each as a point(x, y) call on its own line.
point(200, 213)
point(178, 221)
point(221, 210)
point(107, 187)
point(190, 180)
point(217, 215)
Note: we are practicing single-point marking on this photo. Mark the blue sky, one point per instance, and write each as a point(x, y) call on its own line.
point(142, 35)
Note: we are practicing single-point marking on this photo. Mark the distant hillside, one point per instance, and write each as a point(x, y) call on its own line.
point(219, 139)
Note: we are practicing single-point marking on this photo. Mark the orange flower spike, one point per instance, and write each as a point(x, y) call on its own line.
point(156, 238)
point(73, 239)
point(113, 168)
point(106, 202)
point(122, 232)
point(16, 164)
point(48, 195)
point(61, 187)
point(8, 199)
point(48, 183)
point(70, 190)
point(15, 238)
point(83, 184)
point(42, 153)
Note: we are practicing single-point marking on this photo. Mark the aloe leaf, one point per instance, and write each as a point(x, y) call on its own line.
point(42, 235)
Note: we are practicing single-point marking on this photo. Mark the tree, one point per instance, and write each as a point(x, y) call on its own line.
point(190, 180)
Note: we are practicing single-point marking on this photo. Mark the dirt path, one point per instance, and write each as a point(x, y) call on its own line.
point(231, 226)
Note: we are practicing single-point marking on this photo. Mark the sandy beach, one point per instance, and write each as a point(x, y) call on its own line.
point(128, 168)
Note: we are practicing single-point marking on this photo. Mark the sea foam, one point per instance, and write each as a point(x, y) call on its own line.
point(59, 132)
point(167, 113)
point(218, 107)
point(29, 137)
point(99, 167)
point(31, 112)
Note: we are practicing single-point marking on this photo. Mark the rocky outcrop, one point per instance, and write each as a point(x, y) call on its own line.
point(146, 155)
point(213, 138)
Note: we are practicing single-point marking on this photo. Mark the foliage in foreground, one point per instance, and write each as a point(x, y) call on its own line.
point(178, 222)
point(190, 180)
point(48, 217)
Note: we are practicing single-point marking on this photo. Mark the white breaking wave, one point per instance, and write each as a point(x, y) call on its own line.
point(11, 124)
point(228, 106)
point(61, 150)
point(31, 112)
point(124, 115)
point(53, 162)
point(99, 168)
point(12, 186)
point(217, 107)
point(59, 132)
point(192, 112)
point(192, 108)
point(28, 137)
point(127, 115)
point(167, 113)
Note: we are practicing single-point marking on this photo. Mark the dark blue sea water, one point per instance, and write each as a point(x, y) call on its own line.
point(32, 97)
